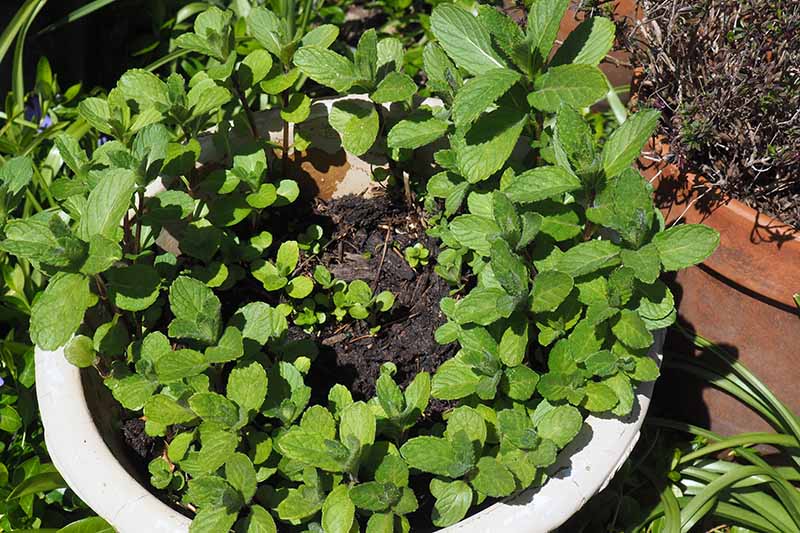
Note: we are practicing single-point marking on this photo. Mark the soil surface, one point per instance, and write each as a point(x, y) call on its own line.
point(367, 243)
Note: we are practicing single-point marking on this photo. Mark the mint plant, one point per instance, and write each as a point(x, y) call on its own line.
point(416, 255)
point(182, 300)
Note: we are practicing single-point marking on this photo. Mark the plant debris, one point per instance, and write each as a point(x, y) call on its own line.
point(726, 76)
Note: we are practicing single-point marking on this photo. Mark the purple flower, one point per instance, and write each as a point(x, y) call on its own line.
point(102, 139)
point(2, 382)
point(33, 113)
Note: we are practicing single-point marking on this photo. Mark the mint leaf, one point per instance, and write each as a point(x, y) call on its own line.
point(541, 183)
point(443, 76)
point(645, 262)
point(599, 398)
point(58, 311)
point(247, 386)
point(395, 87)
point(429, 454)
point(418, 130)
point(196, 309)
point(587, 44)
point(481, 92)
point(625, 144)
point(180, 364)
point(164, 410)
point(574, 85)
point(326, 67)
point(268, 30)
point(357, 123)
point(544, 18)
point(493, 478)
point(631, 330)
point(485, 148)
point(212, 520)
point(561, 424)
point(80, 351)
point(550, 288)
point(454, 380)
point(453, 500)
point(338, 511)
point(258, 521)
point(44, 238)
point(241, 474)
point(685, 245)
point(213, 407)
point(588, 257)
point(107, 204)
point(509, 269)
point(483, 306)
point(464, 39)
point(474, 232)
point(308, 447)
point(134, 287)
point(357, 421)
point(374, 496)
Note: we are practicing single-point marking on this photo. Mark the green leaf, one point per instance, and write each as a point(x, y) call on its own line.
point(214, 407)
point(326, 67)
point(468, 420)
point(480, 93)
point(395, 87)
point(323, 35)
point(96, 112)
point(625, 144)
point(561, 424)
point(144, 88)
point(16, 173)
point(513, 345)
point(258, 521)
point(509, 269)
point(380, 523)
point(247, 386)
point(366, 58)
point(544, 18)
point(80, 351)
point(58, 311)
point(36, 484)
point(131, 390)
point(443, 76)
point(454, 380)
point(588, 257)
point(550, 289)
point(489, 143)
point(260, 322)
point(416, 131)
point(587, 44)
point(206, 97)
point(599, 398)
point(298, 108)
point(320, 420)
point(464, 39)
point(453, 500)
point(631, 330)
point(493, 478)
point(685, 245)
point(541, 183)
point(103, 254)
point(357, 123)
point(574, 136)
point(162, 409)
point(92, 524)
point(213, 520)
point(474, 232)
point(429, 454)
point(180, 364)
point(300, 287)
point(374, 496)
point(44, 238)
point(134, 287)
point(338, 511)
point(107, 204)
point(483, 306)
point(357, 421)
point(645, 262)
point(229, 348)
point(241, 474)
point(196, 309)
point(575, 85)
point(254, 68)
point(267, 29)
point(308, 447)
point(520, 382)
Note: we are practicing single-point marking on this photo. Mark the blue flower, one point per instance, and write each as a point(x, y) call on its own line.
point(33, 113)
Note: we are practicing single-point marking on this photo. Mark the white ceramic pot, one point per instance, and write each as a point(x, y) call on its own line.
point(86, 448)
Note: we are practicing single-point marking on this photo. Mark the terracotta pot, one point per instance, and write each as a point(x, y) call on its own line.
point(740, 297)
point(81, 419)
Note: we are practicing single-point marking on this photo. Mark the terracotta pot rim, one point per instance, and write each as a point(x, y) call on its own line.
point(767, 268)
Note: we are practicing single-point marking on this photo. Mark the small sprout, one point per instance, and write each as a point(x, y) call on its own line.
point(311, 239)
point(417, 255)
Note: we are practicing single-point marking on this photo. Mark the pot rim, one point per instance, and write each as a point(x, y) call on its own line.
point(83, 458)
point(758, 253)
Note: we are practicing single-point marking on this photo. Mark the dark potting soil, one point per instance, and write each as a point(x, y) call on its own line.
point(367, 243)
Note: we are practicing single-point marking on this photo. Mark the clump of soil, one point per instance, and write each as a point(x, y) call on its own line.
point(138, 441)
point(726, 76)
point(368, 240)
